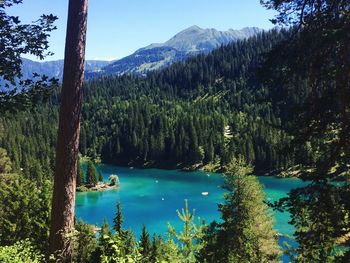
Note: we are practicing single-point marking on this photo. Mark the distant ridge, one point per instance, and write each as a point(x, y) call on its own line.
point(196, 39)
point(188, 42)
point(55, 68)
point(51, 69)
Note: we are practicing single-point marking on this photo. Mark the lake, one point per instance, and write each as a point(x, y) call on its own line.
point(152, 196)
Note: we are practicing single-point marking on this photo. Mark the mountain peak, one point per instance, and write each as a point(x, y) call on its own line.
point(196, 39)
point(194, 27)
point(191, 29)
point(190, 41)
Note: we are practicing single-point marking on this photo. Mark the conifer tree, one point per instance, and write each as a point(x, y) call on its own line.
point(313, 75)
point(190, 237)
point(21, 196)
point(91, 176)
point(248, 224)
point(5, 162)
point(118, 220)
point(105, 231)
point(104, 236)
point(100, 176)
point(85, 243)
point(128, 241)
point(320, 220)
point(156, 248)
point(145, 244)
point(246, 233)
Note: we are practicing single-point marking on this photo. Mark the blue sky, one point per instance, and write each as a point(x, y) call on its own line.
point(116, 28)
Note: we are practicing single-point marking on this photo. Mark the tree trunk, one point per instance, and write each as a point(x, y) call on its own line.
point(63, 201)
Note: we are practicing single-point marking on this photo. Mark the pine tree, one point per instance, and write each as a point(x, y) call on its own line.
point(190, 237)
point(311, 70)
point(156, 248)
point(22, 196)
point(91, 176)
point(100, 176)
point(85, 243)
point(128, 239)
point(103, 241)
point(248, 225)
point(145, 244)
point(5, 162)
point(246, 233)
point(118, 220)
point(320, 219)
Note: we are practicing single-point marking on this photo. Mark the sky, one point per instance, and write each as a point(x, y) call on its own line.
point(117, 28)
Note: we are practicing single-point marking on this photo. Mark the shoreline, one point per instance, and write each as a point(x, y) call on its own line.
point(100, 187)
point(209, 168)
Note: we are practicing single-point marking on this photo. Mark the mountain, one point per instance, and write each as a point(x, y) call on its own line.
point(195, 39)
point(189, 42)
point(55, 68)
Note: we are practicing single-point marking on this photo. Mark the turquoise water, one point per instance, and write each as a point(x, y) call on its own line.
point(152, 196)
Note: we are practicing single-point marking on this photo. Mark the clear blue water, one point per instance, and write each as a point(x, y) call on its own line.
point(152, 196)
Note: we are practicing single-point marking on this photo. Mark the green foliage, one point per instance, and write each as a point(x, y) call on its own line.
point(5, 162)
point(156, 248)
point(80, 174)
point(205, 111)
point(29, 139)
point(121, 246)
point(321, 219)
point(118, 220)
point(310, 70)
point(91, 174)
point(100, 176)
point(312, 74)
point(237, 167)
point(246, 233)
point(82, 188)
point(20, 252)
point(24, 210)
point(173, 118)
point(165, 251)
point(113, 252)
point(84, 243)
point(145, 245)
point(177, 117)
point(105, 231)
point(19, 39)
point(115, 247)
point(191, 236)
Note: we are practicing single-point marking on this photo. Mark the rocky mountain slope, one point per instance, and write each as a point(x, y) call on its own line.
point(188, 42)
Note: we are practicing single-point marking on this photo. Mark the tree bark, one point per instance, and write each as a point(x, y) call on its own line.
point(63, 201)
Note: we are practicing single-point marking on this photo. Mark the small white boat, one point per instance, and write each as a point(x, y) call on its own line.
point(205, 193)
point(162, 198)
point(156, 181)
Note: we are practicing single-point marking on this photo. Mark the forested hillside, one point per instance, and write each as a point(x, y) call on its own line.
point(201, 111)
